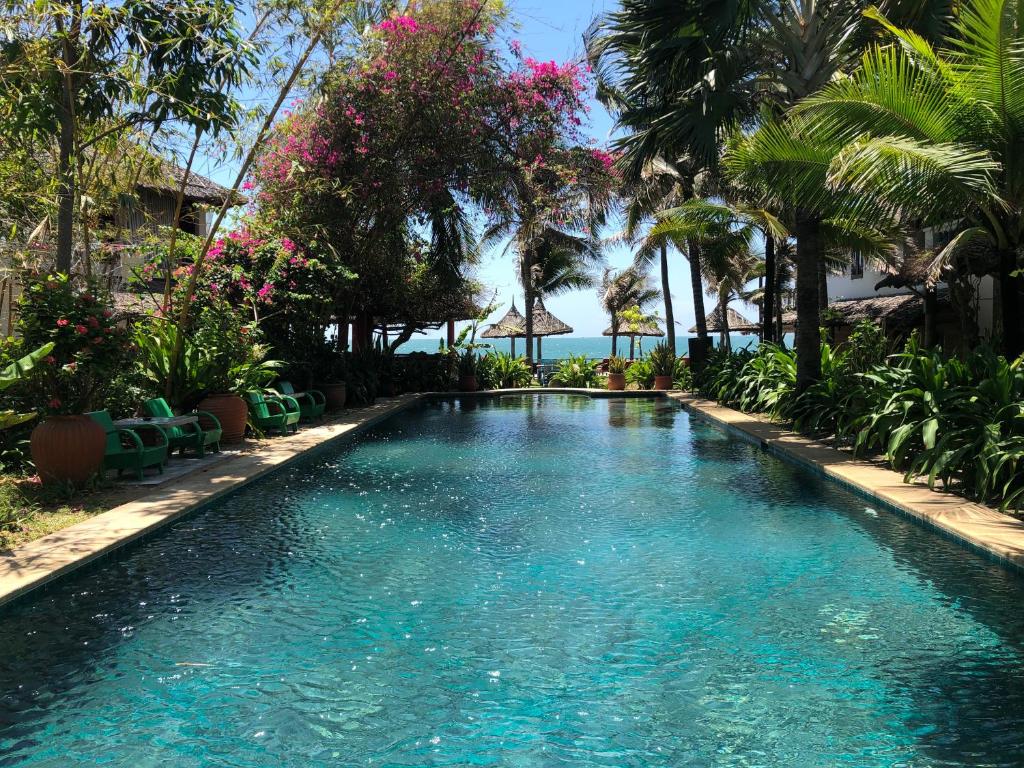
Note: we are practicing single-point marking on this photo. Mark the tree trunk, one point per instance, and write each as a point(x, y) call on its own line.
point(822, 286)
point(615, 336)
point(698, 290)
point(1010, 305)
point(527, 277)
point(808, 309)
point(768, 298)
point(670, 320)
point(66, 145)
point(930, 320)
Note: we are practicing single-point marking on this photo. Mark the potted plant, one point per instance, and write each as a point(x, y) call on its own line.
point(616, 373)
point(663, 364)
point(468, 363)
point(88, 349)
point(224, 360)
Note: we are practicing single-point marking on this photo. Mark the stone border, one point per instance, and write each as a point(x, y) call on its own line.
point(39, 562)
point(980, 528)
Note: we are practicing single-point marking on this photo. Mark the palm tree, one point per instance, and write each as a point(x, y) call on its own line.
point(619, 291)
point(686, 73)
point(936, 133)
point(662, 185)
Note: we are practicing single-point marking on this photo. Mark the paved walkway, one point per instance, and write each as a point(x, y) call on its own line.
point(980, 527)
point(34, 564)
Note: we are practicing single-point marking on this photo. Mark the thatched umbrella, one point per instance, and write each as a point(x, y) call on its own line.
point(546, 324)
point(736, 322)
point(646, 328)
point(511, 326)
point(733, 321)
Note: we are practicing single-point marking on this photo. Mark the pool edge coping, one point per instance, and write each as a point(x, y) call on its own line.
point(33, 565)
point(979, 528)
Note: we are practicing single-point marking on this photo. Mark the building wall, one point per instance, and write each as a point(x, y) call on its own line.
point(845, 286)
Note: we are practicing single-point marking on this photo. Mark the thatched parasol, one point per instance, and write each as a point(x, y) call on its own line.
point(737, 322)
point(546, 324)
point(511, 326)
point(646, 328)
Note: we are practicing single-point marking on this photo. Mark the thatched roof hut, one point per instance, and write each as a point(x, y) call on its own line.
point(896, 314)
point(649, 328)
point(512, 325)
point(737, 322)
point(546, 324)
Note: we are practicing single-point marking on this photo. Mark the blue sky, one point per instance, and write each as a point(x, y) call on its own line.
point(549, 29)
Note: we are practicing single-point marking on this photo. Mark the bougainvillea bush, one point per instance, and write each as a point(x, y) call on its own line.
point(429, 123)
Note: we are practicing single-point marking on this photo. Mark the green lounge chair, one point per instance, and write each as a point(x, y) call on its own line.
point(269, 412)
point(126, 450)
point(204, 433)
point(312, 402)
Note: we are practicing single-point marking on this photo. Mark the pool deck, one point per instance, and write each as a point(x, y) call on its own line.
point(981, 528)
point(32, 565)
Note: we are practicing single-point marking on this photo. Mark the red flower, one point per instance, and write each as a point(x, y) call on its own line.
point(55, 403)
point(62, 322)
point(81, 329)
point(93, 322)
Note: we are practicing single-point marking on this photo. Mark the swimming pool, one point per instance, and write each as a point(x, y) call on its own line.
point(527, 581)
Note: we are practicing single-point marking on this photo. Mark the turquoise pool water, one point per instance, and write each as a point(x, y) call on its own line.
point(529, 582)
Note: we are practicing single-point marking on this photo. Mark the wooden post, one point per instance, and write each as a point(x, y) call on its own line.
point(539, 357)
point(451, 333)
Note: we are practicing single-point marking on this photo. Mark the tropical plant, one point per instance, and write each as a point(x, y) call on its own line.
point(576, 371)
point(506, 372)
point(17, 372)
point(932, 132)
point(682, 376)
point(617, 364)
point(621, 290)
point(89, 347)
point(640, 374)
point(662, 360)
point(469, 362)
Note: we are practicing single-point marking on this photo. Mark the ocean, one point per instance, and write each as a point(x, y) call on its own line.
point(595, 347)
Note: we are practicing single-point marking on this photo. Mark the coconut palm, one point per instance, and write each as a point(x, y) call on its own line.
point(662, 185)
point(936, 133)
point(618, 291)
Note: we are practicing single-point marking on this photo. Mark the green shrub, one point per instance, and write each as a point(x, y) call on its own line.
point(576, 371)
point(616, 364)
point(682, 376)
point(502, 371)
point(640, 374)
point(662, 360)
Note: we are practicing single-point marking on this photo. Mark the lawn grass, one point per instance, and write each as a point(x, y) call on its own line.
point(29, 510)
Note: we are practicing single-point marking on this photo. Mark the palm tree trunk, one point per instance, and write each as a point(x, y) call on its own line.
point(670, 320)
point(615, 335)
point(1010, 305)
point(808, 309)
point(527, 277)
point(822, 285)
point(930, 311)
point(768, 298)
point(698, 289)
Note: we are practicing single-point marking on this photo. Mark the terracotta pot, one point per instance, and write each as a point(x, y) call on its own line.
point(616, 381)
point(68, 449)
point(663, 382)
point(467, 383)
point(231, 411)
point(335, 394)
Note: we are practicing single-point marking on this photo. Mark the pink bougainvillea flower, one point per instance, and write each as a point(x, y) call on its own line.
point(63, 323)
point(81, 329)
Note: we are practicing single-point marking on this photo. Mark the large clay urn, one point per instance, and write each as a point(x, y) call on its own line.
point(616, 381)
point(231, 412)
point(468, 383)
point(68, 449)
point(334, 394)
point(663, 382)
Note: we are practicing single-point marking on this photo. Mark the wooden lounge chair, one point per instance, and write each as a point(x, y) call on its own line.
point(126, 449)
point(312, 402)
point(204, 433)
point(269, 412)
